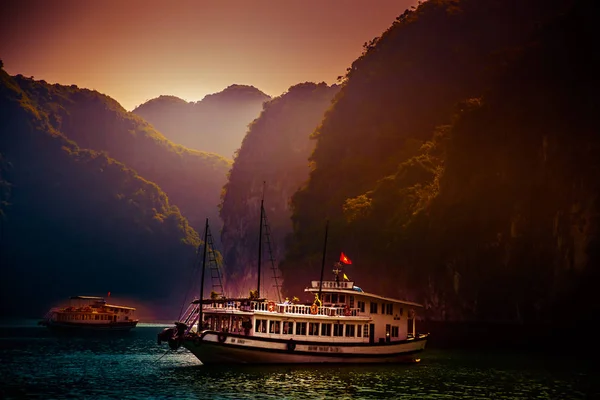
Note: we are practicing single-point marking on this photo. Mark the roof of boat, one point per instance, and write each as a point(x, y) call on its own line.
point(115, 306)
point(362, 293)
point(86, 298)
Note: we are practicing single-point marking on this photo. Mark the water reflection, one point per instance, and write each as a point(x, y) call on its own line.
point(37, 363)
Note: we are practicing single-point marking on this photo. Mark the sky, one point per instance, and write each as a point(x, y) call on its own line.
point(136, 50)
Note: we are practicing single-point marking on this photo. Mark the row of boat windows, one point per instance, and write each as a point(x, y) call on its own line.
point(237, 324)
point(106, 309)
point(386, 308)
point(316, 328)
point(85, 317)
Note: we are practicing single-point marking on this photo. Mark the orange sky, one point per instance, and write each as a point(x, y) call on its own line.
point(135, 50)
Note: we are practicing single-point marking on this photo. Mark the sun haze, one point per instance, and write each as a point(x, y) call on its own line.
point(136, 50)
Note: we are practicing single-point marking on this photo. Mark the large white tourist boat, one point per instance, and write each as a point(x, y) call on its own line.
point(343, 324)
point(90, 313)
point(349, 325)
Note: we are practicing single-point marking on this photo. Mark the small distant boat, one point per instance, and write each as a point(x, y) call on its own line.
point(90, 313)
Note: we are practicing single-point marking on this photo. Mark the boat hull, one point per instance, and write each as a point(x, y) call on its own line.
point(108, 327)
point(237, 349)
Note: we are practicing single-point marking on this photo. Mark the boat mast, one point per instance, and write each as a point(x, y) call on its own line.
point(202, 278)
point(323, 262)
point(262, 201)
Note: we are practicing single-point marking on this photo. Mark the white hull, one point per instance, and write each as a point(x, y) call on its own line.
point(238, 349)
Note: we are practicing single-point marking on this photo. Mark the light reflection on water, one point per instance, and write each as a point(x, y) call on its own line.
point(37, 363)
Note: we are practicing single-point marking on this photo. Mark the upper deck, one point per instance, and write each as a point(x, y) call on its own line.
point(348, 287)
point(284, 309)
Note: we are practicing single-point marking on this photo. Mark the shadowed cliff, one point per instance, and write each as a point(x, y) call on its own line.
point(75, 221)
point(458, 163)
point(275, 151)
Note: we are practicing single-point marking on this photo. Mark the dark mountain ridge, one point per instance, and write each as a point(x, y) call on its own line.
point(192, 179)
point(459, 159)
point(76, 221)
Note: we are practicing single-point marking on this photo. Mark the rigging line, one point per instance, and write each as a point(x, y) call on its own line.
point(274, 269)
point(191, 280)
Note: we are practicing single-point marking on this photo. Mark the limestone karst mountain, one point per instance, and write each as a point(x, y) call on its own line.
point(216, 124)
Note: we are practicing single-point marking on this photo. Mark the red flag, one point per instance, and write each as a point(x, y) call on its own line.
point(345, 259)
point(108, 294)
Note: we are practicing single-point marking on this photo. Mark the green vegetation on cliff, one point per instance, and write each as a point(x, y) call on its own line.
point(459, 162)
point(192, 179)
point(76, 221)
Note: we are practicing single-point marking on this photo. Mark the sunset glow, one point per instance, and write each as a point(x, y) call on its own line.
point(137, 50)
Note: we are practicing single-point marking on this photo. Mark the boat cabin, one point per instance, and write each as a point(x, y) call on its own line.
point(345, 313)
point(92, 310)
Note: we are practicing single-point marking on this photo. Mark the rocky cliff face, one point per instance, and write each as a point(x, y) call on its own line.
point(462, 170)
point(272, 162)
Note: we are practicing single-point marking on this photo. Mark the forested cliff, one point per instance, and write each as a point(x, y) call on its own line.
point(75, 221)
point(192, 179)
point(272, 162)
point(458, 165)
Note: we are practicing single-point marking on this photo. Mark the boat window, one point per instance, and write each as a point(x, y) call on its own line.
point(350, 328)
point(325, 329)
point(225, 321)
point(326, 298)
point(274, 326)
point(387, 332)
point(389, 309)
point(313, 328)
point(300, 328)
point(261, 326)
point(97, 317)
point(237, 324)
point(358, 330)
point(395, 330)
point(361, 306)
point(288, 327)
point(343, 298)
point(338, 330)
point(334, 298)
point(373, 307)
point(366, 330)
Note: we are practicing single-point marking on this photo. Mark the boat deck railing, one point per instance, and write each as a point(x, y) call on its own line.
point(284, 308)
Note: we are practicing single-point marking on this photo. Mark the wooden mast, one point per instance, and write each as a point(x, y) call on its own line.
point(323, 262)
point(202, 277)
point(262, 201)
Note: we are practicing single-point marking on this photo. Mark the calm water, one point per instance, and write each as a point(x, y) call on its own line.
point(35, 363)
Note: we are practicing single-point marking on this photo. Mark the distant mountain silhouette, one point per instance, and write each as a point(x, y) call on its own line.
point(76, 221)
point(215, 124)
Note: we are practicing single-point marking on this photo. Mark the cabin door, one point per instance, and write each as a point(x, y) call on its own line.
point(371, 333)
